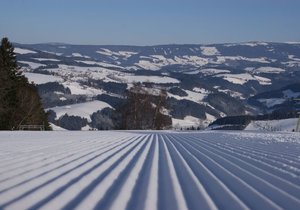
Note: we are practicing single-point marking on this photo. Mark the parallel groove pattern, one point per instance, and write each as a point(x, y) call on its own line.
point(149, 170)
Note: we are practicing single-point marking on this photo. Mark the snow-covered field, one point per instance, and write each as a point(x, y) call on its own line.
point(149, 170)
point(273, 125)
point(84, 110)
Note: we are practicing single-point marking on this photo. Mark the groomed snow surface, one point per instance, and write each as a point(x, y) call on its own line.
point(149, 170)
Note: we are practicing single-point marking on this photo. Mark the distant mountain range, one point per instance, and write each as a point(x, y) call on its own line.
point(204, 82)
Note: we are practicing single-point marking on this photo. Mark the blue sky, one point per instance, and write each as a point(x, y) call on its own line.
point(140, 22)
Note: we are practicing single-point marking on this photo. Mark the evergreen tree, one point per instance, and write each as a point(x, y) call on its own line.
point(19, 100)
point(8, 81)
point(8, 59)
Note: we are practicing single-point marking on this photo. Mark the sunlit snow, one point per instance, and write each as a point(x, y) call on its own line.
point(23, 51)
point(41, 78)
point(149, 170)
point(83, 110)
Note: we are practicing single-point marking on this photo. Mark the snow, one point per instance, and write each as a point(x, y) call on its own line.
point(287, 94)
point(152, 79)
point(270, 102)
point(42, 78)
point(249, 44)
point(99, 63)
point(124, 54)
point(187, 122)
point(230, 92)
point(54, 53)
point(291, 63)
point(83, 110)
point(105, 52)
point(212, 71)
point(263, 80)
point(290, 94)
point(292, 57)
point(77, 73)
point(222, 59)
point(56, 128)
point(23, 51)
point(195, 60)
point(210, 118)
point(152, 191)
point(253, 44)
point(243, 78)
point(127, 54)
point(32, 65)
point(292, 43)
point(201, 90)
point(78, 89)
point(272, 70)
point(79, 55)
point(149, 170)
point(273, 125)
point(156, 62)
point(190, 121)
point(47, 59)
point(250, 69)
point(86, 128)
point(148, 65)
point(192, 60)
point(197, 95)
point(209, 51)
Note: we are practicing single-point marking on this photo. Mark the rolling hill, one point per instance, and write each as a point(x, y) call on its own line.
point(203, 82)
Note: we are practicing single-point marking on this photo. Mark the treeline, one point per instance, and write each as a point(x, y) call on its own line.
point(20, 104)
point(241, 122)
point(19, 101)
point(143, 107)
point(144, 110)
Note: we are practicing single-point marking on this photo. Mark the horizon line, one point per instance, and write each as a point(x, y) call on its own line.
point(152, 45)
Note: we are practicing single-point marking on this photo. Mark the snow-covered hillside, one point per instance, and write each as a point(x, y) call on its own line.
point(196, 77)
point(273, 125)
point(149, 170)
point(84, 110)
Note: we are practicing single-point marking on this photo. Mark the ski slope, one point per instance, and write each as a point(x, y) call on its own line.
point(149, 170)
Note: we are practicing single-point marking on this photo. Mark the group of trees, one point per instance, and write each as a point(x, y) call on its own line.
point(19, 101)
point(144, 110)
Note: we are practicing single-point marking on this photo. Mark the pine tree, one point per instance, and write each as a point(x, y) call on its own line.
point(8, 82)
point(8, 59)
point(19, 101)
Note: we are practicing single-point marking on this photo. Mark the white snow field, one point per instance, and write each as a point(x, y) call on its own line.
point(149, 170)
